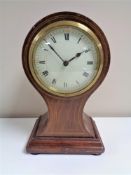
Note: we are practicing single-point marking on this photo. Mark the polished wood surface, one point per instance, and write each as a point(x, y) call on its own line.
point(65, 119)
point(63, 144)
point(65, 129)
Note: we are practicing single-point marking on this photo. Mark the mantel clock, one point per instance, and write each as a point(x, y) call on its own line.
point(66, 57)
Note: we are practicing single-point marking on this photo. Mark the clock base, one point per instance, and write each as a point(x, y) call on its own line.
point(62, 144)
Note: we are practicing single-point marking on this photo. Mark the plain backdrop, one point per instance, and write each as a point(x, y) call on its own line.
point(17, 96)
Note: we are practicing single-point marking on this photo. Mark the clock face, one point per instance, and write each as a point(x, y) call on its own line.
point(65, 59)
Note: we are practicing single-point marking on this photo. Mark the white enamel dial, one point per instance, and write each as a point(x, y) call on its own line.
point(66, 59)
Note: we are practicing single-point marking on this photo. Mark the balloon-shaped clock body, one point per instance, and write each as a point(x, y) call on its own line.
point(66, 57)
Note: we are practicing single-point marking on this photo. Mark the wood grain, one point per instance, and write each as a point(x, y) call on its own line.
point(65, 129)
point(65, 145)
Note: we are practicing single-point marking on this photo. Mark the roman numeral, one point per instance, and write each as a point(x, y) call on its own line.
point(54, 81)
point(85, 74)
point(66, 36)
point(89, 62)
point(45, 49)
point(77, 82)
point(45, 73)
point(65, 85)
point(53, 39)
point(79, 39)
point(42, 62)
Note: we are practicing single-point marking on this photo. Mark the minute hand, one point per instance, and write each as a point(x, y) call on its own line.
point(55, 52)
point(78, 55)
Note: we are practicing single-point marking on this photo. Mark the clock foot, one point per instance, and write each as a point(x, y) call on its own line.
point(65, 145)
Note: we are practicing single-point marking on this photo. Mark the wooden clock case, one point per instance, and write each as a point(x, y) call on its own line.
point(65, 128)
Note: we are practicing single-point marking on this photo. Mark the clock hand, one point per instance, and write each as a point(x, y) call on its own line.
point(78, 55)
point(55, 51)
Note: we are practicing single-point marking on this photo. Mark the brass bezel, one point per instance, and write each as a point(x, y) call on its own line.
point(42, 33)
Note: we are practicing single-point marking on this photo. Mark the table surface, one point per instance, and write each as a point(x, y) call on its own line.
point(115, 133)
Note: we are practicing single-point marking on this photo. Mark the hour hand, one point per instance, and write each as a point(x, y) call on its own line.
point(78, 55)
